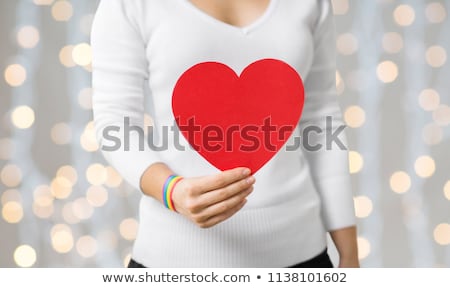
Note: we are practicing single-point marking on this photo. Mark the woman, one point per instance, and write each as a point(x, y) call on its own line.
point(192, 214)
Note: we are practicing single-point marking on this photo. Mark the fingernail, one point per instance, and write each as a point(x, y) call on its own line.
point(246, 172)
point(250, 180)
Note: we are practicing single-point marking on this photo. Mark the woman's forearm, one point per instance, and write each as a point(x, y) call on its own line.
point(153, 180)
point(205, 200)
point(345, 241)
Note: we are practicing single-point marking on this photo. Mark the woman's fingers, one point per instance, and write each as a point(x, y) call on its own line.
point(222, 206)
point(205, 184)
point(224, 216)
point(209, 200)
point(222, 194)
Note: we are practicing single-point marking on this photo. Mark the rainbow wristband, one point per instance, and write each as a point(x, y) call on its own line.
point(168, 187)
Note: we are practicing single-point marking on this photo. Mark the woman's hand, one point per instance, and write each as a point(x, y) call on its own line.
point(350, 262)
point(346, 244)
point(209, 200)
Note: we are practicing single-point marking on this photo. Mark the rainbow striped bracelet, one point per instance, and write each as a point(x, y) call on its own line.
point(167, 191)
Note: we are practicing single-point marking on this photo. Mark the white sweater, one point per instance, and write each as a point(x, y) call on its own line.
point(142, 47)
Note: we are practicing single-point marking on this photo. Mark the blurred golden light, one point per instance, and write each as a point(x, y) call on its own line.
point(6, 148)
point(61, 134)
point(435, 12)
point(340, 85)
point(442, 234)
point(85, 98)
point(128, 229)
point(25, 256)
point(11, 175)
point(43, 212)
point(436, 56)
point(28, 37)
point(424, 166)
point(363, 248)
point(113, 179)
point(87, 246)
point(65, 56)
point(97, 196)
point(22, 117)
point(354, 116)
point(15, 75)
point(88, 139)
point(404, 15)
point(62, 238)
point(429, 99)
point(432, 134)
point(81, 54)
point(62, 10)
point(82, 209)
point(363, 206)
point(12, 212)
point(392, 42)
point(61, 187)
point(340, 7)
point(387, 71)
point(356, 162)
point(347, 44)
point(43, 195)
point(126, 260)
point(400, 182)
point(60, 227)
point(11, 195)
point(43, 2)
point(68, 214)
point(69, 173)
point(447, 190)
point(96, 174)
point(441, 115)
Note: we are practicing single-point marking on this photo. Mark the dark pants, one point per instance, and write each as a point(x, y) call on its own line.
point(320, 261)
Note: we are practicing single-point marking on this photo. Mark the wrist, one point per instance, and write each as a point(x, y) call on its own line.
point(349, 262)
point(176, 194)
point(351, 253)
point(349, 259)
point(168, 190)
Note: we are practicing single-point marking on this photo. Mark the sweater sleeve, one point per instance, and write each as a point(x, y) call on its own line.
point(120, 71)
point(328, 165)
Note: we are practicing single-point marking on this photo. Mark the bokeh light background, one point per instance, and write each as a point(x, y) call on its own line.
point(63, 206)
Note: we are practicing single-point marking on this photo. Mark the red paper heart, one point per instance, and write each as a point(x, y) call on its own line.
point(225, 117)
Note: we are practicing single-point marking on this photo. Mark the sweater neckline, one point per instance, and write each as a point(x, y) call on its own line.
point(244, 29)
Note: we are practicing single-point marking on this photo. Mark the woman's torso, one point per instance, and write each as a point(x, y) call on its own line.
point(280, 225)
